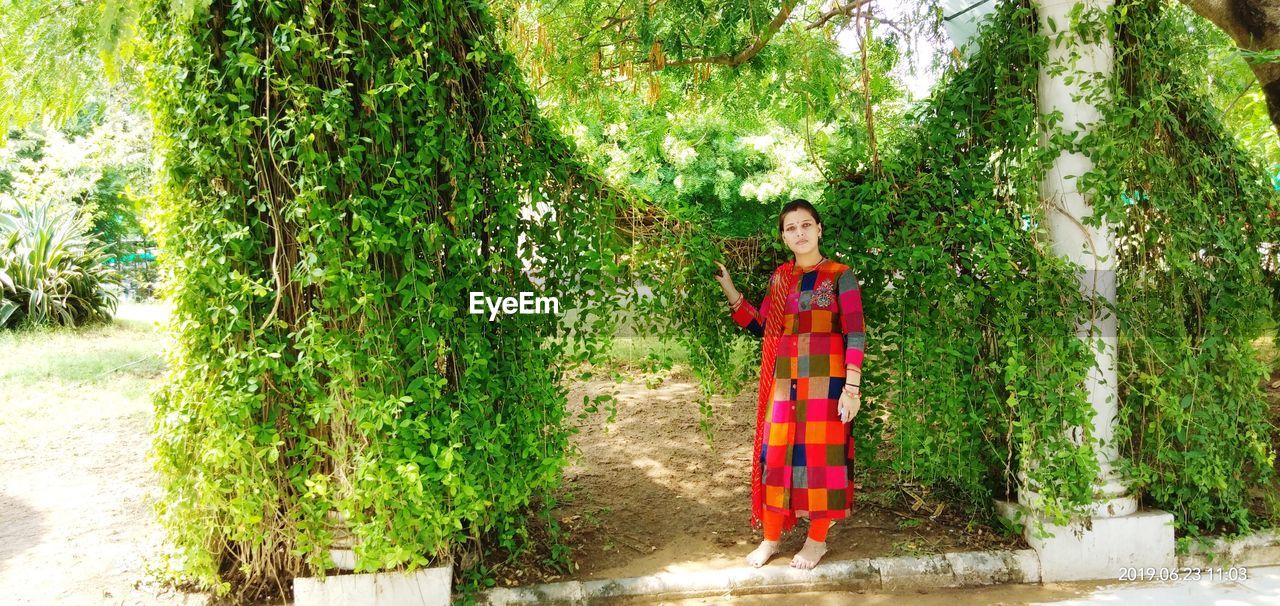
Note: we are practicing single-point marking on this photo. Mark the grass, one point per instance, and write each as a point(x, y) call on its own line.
point(52, 379)
point(634, 351)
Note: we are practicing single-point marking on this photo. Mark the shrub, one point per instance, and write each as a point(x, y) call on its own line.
point(51, 269)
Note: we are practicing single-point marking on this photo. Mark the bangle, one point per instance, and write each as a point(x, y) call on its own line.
point(737, 303)
point(857, 388)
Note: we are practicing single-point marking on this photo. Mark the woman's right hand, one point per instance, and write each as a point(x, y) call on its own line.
point(723, 278)
point(726, 284)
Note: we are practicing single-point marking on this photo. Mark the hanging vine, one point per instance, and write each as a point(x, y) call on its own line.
point(1194, 213)
point(338, 178)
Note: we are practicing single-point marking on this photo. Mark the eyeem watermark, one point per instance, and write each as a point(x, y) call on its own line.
point(526, 303)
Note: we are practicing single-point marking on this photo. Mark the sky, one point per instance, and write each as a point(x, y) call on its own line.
point(916, 71)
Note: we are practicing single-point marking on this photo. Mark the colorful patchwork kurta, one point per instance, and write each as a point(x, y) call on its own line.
point(806, 450)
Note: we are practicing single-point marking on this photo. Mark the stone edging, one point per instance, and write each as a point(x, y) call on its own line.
point(948, 570)
point(962, 569)
point(1260, 549)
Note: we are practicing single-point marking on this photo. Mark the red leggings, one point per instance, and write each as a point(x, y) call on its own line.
point(773, 527)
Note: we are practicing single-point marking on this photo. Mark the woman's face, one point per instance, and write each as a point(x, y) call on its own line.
point(800, 231)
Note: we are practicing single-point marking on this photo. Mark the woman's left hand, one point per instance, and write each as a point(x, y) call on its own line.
point(849, 405)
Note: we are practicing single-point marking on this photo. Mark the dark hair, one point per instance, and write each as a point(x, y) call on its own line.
point(798, 204)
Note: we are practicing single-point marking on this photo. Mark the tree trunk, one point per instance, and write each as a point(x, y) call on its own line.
point(1255, 26)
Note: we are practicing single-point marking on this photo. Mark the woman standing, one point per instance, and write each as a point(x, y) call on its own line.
point(810, 373)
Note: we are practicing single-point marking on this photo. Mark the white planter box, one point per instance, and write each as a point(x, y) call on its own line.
point(425, 587)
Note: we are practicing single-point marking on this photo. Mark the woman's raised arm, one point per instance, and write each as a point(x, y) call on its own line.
point(744, 313)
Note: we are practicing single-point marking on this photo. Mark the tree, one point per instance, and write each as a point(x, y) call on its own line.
point(96, 166)
point(717, 142)
point(673, 36)
point(1254, 25)
point(1229, 81)
point(55, 54)
point(338, 179)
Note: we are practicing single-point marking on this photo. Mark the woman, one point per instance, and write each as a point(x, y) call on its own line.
point(810, 377)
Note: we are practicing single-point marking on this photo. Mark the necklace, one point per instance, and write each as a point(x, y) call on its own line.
point(811, 267)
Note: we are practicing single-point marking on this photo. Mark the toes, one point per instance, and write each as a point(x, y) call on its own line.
point(758, 558)
point(806, 561)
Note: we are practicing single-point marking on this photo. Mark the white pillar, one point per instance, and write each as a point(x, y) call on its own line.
point(1115, 535)
point(1090, 247)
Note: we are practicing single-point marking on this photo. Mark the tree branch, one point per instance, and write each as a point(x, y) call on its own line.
point(865, 40)
point(784, 13)
point(840, 10)
point(1218, 12)
point(762, 39)
point(894, 25)
point(1254, 25)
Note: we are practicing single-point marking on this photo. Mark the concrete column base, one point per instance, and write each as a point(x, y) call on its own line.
point(1103, 550)
point(423, 587)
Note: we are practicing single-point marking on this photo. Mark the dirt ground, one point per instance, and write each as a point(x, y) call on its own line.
point(75, 484)
point(648, 494)
point(75, 524)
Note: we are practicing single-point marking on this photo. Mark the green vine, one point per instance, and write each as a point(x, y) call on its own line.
point(1193, 212)
point(973, 363)
point(338, 178)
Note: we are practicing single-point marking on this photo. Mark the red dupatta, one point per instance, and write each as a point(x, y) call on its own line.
point(774, 313)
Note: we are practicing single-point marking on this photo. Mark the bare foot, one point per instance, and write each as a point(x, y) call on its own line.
point(762, 553)
point(809, 555)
